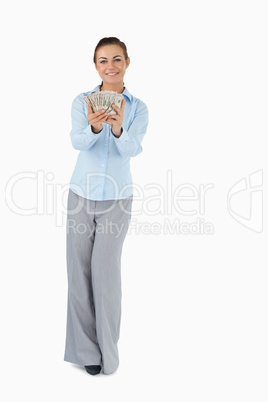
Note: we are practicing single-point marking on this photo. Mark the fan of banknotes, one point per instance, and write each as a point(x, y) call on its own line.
point(103, 100)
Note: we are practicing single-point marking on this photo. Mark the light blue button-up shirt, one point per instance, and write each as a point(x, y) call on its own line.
point(102, 170)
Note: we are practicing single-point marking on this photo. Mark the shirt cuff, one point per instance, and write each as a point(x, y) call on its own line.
point(93, 131)
point(123, 137)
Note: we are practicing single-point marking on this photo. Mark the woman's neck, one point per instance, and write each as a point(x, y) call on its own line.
point(119, 88)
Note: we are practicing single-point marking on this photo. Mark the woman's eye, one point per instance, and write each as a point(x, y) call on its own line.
point(105, 61)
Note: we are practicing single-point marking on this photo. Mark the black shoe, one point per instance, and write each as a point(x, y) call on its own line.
point(93, 370)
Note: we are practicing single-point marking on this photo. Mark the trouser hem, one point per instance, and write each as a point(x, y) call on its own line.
point(78, 363)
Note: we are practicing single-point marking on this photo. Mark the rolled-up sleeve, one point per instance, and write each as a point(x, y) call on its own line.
point(129, 142)
point(82, 136)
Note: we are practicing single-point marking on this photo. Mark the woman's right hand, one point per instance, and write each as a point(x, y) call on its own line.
point(96, 119)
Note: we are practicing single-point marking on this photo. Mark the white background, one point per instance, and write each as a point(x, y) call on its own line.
point(194, 320)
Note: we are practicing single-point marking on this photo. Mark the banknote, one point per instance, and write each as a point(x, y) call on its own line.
point(104, 100)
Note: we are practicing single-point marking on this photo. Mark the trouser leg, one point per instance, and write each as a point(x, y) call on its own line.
point(111, 230)
point(81, 340)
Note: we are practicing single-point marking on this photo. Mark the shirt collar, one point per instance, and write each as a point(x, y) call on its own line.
point(125, 92)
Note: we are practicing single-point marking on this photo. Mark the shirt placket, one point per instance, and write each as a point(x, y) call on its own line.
point(104, 160)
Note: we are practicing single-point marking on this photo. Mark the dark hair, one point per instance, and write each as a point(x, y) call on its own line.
point(110, 41)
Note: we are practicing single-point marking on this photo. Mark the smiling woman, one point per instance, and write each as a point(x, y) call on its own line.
point(111, 61)
point(99, 212)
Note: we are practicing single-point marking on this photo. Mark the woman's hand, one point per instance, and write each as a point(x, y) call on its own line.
point(96, 119)
point(116, 120)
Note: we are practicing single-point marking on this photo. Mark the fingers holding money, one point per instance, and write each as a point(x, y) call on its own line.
point(105, 107)
point(116, 120)
point(103, 100)
point(119, 116)
point(96, 119)
point(120, 111)
point(95, 115)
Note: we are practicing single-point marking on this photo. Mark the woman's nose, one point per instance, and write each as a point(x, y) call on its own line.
point(110, 65)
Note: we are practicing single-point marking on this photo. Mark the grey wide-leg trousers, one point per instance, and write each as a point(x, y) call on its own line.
point(95, 232)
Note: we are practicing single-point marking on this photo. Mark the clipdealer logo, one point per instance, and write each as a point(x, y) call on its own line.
point(164, 208)
point(245, 201)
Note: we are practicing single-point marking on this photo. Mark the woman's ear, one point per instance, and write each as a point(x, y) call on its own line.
point(127, 62)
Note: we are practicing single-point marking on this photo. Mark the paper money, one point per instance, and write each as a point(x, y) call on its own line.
point(103, 100)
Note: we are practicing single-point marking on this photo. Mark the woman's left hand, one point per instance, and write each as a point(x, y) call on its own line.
point(116, 120)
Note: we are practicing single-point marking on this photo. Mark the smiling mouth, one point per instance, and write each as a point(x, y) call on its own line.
point(111, 74)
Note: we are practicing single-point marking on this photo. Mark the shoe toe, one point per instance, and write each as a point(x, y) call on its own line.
point(93, 370)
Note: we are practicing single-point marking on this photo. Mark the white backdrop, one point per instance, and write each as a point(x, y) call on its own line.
point(194, 270)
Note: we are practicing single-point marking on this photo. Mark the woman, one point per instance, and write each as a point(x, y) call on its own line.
point(99, 212)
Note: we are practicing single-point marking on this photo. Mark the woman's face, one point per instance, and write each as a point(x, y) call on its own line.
point(111, 64)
